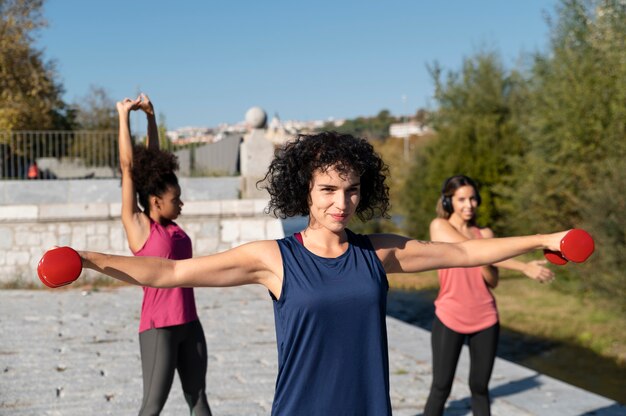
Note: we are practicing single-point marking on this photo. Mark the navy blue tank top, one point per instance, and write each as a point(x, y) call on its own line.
point(331, 332)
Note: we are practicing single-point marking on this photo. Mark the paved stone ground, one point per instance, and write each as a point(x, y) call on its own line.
point(72, 352)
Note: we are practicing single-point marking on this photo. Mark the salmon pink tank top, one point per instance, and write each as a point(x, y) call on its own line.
point(171, 306)
point(465, 303)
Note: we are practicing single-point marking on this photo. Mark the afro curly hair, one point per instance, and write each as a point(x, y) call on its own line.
point(153, 173)
point(290, 174)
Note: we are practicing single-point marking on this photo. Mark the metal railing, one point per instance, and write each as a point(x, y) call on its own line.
point(94, 154)
point(58, 154)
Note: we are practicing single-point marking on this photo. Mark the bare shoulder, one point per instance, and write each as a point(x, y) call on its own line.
point(259, 249)
point(441, 230)
point(438, 221)
point(438, 224)
point(262, 252)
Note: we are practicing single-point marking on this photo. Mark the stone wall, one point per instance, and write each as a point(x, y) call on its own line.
point(71, 191)
point(26, 231)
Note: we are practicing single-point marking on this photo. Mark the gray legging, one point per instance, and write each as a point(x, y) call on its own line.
point(165, 350)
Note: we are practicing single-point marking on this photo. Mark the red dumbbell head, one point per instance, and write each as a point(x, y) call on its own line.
point(59, 266)
point(554, 257)
point(577, 245)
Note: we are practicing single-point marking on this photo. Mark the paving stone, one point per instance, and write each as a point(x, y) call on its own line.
point(69, 352)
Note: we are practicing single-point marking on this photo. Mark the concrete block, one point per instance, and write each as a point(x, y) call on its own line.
point(65, 240)
point(101, 190)
point(209, 189)
point(117, 238)
point(63, 228)
point(73, 211)
point(115, 209)
point(230, 231)
point(102, 228)
point(245, 207)
point(274, 229)
point(229, 207)
point(6, 237)
point(202, 208)
point(18, 212)
point(209, 228)
point(205, 246)
point(48, 239)
point(17, 258)
point(98, 243)
point(33, 192)
point(190, 227)
point(79, 237)
point(252, 229)
point(260, 205)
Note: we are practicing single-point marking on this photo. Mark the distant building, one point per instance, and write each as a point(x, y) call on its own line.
point(408, 129)
point(279, 131)
point(276, 130)
point(186, 135)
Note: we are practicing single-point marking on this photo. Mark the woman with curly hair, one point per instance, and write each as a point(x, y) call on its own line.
point(328, 284)
point(170, 334)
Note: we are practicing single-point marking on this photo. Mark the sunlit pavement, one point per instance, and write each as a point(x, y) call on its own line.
point(73, 352)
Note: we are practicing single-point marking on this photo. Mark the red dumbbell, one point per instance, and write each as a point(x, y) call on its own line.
point(59, 266)
point(576, 246)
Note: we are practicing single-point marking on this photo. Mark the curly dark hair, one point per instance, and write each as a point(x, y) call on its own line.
point(153, 172)
point(288, 179)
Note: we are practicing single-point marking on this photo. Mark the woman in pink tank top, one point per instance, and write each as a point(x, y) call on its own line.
point(170, 334)
point(465, 308)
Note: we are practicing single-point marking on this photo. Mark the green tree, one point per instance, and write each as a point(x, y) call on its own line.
point(373, 128)
point(573, 173)
point(95, 137)
point(477, 135)
point(96, 110)
point(30, 97)
point(164, 141)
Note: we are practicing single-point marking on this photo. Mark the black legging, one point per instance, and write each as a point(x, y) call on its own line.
point(446, 348)
point(165, 350)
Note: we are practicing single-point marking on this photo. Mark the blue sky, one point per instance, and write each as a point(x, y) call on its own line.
point(207, 62)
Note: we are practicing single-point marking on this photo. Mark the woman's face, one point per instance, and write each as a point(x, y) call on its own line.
point(169, 204)
point(333, 199)
point(464, 202)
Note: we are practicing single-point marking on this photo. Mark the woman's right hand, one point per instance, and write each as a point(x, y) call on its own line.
point(553, 241)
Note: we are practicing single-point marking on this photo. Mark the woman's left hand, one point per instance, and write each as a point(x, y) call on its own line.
point(144, 103)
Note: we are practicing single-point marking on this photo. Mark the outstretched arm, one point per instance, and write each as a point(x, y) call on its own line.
point(442, 230)
point(405, 255)
point(534, 269)
point(258, 262)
